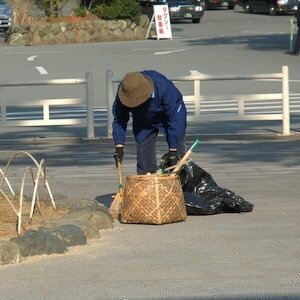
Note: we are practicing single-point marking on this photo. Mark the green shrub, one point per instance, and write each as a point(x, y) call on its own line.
point(80, 12)
point(119, 9)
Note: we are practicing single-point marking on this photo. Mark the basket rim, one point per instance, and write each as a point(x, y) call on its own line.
point(151, 176)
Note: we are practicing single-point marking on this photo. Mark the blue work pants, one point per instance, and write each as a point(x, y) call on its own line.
point(146, 153)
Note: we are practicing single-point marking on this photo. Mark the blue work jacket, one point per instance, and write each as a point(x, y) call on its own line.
point(164, 111)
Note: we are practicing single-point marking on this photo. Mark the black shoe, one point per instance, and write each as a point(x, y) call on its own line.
point(296, 53)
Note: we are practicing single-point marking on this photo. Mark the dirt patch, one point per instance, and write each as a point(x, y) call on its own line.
point(9, 220)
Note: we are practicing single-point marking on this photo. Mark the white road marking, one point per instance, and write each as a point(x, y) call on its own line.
point(41, 70)
point(31, 58)
point(195, 72)
point(169, 52)
point(150, 49)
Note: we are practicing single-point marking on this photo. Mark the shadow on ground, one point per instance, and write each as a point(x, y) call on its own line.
point(106, 199)
point(253, 141)
point(267, 42)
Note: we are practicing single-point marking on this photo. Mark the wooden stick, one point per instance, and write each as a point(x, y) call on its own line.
point(185, 158)
point(115, 206)
point(120, 178)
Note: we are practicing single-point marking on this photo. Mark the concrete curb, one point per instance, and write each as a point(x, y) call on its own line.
point(207, 137)
point(83, 222)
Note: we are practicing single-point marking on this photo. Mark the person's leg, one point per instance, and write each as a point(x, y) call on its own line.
point(146, 155)
point(182, 146)
point(297, 44)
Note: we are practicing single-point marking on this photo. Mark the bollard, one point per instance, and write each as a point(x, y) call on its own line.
point(90, 106)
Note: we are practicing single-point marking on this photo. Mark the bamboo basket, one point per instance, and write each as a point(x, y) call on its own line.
point(153, 199)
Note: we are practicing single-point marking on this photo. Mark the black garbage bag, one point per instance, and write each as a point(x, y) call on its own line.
point(202, 194)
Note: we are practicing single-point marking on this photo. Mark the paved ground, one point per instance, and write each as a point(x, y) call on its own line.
point(228, 256)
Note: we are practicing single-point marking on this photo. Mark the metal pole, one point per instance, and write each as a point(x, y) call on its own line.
point(90, 105)
point(285, 101)
point(109, 95)
point(291, 34)
point(3, 104)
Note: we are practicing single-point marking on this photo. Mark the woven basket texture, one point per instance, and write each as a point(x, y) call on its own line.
point(153, 199)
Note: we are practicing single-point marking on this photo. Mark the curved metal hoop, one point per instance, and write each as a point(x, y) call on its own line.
point(41, 172)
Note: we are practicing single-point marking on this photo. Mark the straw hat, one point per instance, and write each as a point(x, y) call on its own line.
point(135, 89)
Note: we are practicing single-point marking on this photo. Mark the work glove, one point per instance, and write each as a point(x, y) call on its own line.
point(118, 156)
point(173, 157)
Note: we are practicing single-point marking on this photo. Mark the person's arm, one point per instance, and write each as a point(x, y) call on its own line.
point(121, 118)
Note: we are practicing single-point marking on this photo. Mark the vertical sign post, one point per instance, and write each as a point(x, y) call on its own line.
point(162, 21)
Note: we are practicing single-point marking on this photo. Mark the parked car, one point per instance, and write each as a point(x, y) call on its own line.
point(211, 4)
point(178, 9)
point(186, 10)
point(272, 7)
point(5, 15)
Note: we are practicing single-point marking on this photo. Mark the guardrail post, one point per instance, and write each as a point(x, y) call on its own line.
point(197, 95)
point(3, 104)
point(110, 99)
point(90, 105)
point(285, 101)
point(292, 30)
point(46, 112)
point(241, 107)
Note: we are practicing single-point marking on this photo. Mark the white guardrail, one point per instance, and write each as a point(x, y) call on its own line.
point(77, 111)
point(46, 104)
point(239, 101)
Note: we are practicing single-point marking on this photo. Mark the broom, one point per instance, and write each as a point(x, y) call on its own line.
point(115, 206)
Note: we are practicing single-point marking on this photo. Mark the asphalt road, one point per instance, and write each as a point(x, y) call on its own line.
point(227, 256)
point(249, 256)
point(225, 42)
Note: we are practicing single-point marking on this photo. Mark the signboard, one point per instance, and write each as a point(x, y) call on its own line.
point(162, 21)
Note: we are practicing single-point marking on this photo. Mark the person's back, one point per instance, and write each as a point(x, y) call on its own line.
point(298, 14)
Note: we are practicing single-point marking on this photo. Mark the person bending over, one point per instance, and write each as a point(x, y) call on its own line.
point(155, 105)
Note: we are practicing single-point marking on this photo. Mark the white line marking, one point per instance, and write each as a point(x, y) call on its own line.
point(169, 52)
point(150, 49)
point(31, 58)
point(195, 72)
point(41, 70)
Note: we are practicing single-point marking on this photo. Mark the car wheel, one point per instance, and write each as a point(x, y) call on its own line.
point(247, 8)
point(231, 6)
point(272, 11)
point(196, 20)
